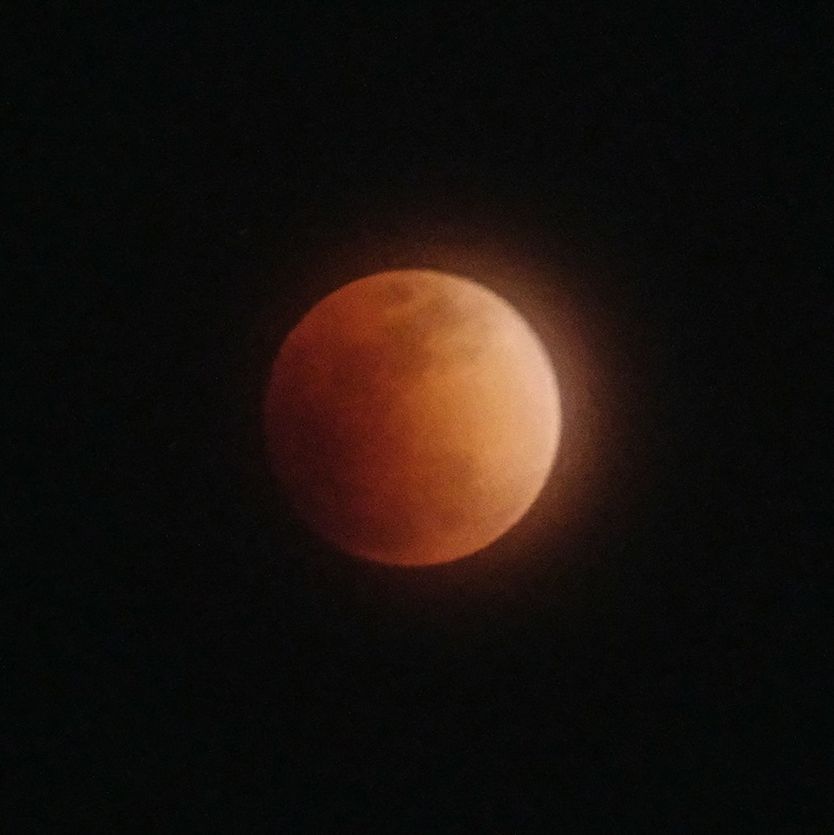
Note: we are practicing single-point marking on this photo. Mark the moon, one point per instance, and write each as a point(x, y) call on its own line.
point(412, 417)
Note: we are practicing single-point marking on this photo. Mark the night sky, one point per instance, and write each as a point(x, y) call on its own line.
point(185, 656)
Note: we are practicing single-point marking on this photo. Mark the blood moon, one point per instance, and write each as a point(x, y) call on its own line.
point(412, 417)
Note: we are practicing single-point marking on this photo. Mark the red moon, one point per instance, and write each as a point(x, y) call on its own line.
point(412, 417)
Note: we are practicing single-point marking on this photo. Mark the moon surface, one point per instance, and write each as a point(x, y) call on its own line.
point(412, 417)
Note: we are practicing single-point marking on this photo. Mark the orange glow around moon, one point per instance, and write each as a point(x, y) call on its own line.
point(412, 417)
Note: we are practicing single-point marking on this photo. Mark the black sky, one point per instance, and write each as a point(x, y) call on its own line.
point(197, 662)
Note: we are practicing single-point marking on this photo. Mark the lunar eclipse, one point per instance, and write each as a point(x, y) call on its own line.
point(412, 417)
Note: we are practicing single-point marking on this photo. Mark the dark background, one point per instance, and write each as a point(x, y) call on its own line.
point(190, 659)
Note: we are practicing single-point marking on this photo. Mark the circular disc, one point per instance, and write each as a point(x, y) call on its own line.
point(412, 417)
